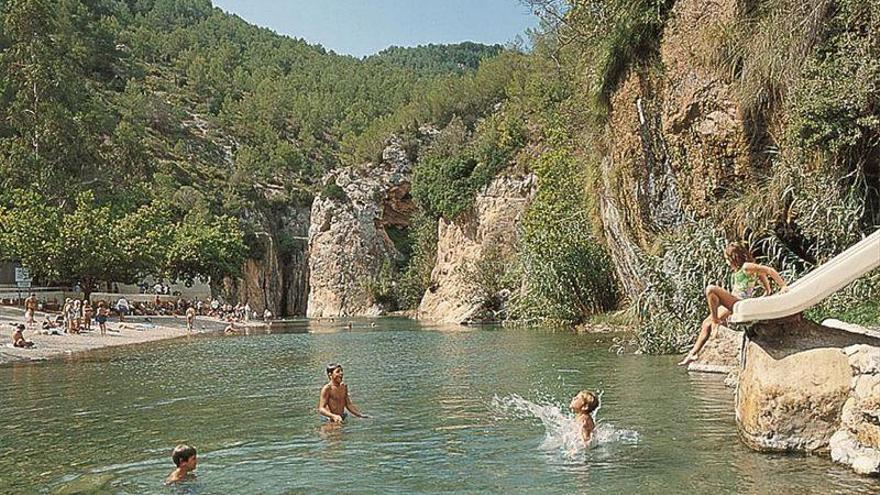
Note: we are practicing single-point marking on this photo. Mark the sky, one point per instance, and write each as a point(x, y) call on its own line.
point(364, 27)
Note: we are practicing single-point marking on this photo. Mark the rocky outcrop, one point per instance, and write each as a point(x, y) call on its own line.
point(676, 140)
point(857, 442)
point(721, 354)
point(793, 385)
point(489, 228)
point(275, 276)
point(349, 245)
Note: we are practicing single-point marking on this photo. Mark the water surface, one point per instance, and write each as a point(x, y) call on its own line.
point(466, 411)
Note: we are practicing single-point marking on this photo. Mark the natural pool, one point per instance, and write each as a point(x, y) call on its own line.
point(466, 411)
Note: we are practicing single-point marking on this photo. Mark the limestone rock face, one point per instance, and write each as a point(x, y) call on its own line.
point(348, 241)
point(277, 279)
point(793, 385)
point(490, 227)
point(857, 443)
point(677, 140)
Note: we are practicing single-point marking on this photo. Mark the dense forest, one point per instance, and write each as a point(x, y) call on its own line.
point(139, 136)
point(143, 136)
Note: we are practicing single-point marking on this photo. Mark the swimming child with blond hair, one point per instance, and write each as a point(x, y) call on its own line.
point(583, 405)
point(744, 281)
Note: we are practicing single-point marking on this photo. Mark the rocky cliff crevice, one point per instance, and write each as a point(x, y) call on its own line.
point(277, 277)
point(489, 228)
point(675, 143)
point(348, 240)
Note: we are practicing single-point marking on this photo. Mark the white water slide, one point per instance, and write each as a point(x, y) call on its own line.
point(815, 286)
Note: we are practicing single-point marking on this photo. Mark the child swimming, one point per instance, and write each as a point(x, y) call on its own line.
point(744, 284)
point(186, 460)
point(335, 399)
point(582, 405)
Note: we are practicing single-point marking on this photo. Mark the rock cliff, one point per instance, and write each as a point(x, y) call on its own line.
point(349, 245)
point(676, 141)
point(488, 228)
point(275, 277)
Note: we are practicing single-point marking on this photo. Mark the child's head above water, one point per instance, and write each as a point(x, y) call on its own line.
point(738, 254)
point(334, 369)
point(183, 454)
point(584, 402)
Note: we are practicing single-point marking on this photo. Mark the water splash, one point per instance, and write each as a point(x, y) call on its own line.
point(561, 431)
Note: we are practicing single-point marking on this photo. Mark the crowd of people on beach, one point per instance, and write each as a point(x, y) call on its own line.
point(78, 315)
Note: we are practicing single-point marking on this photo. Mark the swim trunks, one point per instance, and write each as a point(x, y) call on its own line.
point(325, 419)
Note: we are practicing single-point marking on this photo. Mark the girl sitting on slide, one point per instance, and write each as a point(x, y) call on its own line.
point(744, 284)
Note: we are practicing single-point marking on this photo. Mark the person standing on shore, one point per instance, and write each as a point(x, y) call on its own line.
point(87, 315)
point(103, 315)
point(122, 308)
point(65, 312)
point(30, 307)
point(190, 317)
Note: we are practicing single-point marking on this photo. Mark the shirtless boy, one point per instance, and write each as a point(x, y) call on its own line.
point(582, 405)
point(185, 459)
point(335, 399)
point(190, 317)
point(30, 306)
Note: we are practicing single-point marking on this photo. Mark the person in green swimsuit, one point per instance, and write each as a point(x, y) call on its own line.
point(745, 280)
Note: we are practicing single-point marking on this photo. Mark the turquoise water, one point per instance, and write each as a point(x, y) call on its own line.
point(466, 411)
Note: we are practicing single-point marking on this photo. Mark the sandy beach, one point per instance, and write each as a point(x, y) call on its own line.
point(135, 330)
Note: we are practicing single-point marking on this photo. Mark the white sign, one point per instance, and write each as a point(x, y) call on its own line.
point(22, 274)
point(24, 284)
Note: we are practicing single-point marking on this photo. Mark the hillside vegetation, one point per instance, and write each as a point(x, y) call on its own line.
point(657, 133)
point(174, 126)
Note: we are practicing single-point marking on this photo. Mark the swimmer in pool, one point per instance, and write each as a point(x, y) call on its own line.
point(335, 399)
point(582, 405)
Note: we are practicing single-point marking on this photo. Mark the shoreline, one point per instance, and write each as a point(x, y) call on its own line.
point(135, 330)
point(144, 329)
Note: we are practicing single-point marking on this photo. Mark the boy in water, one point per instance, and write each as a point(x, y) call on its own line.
point(582, 405)
point(335, 399)
point(185, 459)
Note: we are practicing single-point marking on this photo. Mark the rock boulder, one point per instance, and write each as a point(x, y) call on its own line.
point(857, 443)
point(793, 385)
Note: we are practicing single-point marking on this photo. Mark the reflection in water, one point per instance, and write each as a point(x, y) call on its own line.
point(449, 407)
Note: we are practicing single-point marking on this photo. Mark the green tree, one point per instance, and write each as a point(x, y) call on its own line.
point(204, 247)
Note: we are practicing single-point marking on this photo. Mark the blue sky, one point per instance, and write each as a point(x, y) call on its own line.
point(364, 27)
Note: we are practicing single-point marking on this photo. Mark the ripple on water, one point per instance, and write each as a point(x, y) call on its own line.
point(454, 412)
